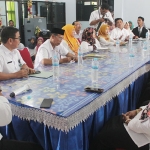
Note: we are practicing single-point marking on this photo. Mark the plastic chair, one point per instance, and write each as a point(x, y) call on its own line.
point(26, 57)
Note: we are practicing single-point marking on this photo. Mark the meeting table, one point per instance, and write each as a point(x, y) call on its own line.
point(75, 115)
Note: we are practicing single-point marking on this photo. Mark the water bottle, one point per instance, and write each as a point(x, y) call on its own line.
point(131, 60)
point(94, 75)
point(148, 43)
point(147, 36)
point(144, 51)
point(55, 63)
point(130, 42)
point(117, 45)
point(80, 57)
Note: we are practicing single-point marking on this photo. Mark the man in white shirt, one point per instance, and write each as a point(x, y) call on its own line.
point(11, 63)
point(99, 16)
point(119, 32)
point(51, 46)
point(133, 134)
point(78, 31)
point(5, 119)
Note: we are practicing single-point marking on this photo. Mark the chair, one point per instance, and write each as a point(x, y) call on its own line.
point(26, 57)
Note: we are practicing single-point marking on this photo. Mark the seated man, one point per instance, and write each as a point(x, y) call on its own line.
point(140, 31)
point(133, 134)
point(119, 32)
point(51, 46)
point(78, 31)
point(6, 117)
point(11, 63)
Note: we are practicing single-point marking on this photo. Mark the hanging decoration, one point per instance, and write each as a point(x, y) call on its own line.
point(30, 9)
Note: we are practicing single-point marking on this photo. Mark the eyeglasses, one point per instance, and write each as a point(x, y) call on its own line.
point(16, 38)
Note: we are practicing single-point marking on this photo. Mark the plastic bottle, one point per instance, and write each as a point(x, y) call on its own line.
point(117, 45)
point(130, 42)
point(144, 51)
point(55, 63)
point(94, 75)
point(80, 57)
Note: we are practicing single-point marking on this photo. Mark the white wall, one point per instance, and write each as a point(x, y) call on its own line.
point(131, 9)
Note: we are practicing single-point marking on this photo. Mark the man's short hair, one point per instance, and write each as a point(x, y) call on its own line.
point(118, 19)
point(8, 32)
point(74, 22)
point(105, 6)
point(141, 18)
point(10, 21)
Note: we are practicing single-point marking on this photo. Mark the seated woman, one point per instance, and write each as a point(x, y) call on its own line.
point(40, 41)
point(69, 41)
point(104, 37)
point(131, 25)
point(89, 40)
point(127, 27)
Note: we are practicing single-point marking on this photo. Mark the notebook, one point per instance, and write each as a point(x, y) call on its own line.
point(43, 74)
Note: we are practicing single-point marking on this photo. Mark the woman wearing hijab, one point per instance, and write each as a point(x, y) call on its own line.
point(69, 41)
point(104, 37)
point(89, 40)
point(131, 25)
point(40, 41)
point(127, 27)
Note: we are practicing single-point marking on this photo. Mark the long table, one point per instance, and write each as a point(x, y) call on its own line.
point(75, 116)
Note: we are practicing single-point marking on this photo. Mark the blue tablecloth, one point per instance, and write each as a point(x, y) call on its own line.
point(75, 114)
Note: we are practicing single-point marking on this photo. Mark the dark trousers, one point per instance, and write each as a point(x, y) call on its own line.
point(145, 96)
point(18, 145)
point(113, 135)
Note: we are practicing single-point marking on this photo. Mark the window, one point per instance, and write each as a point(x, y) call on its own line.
point(10, 10)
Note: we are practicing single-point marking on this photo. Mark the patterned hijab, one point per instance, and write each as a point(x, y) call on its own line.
point(70, 39)
point(88, 36)
point(101, 32)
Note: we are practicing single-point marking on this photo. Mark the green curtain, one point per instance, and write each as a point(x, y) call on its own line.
point(10, 6)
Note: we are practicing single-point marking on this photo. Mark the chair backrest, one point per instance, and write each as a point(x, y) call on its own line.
point(26, 57)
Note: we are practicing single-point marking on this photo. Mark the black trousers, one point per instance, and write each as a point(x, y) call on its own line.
point(113, 135)
point(145, 96)
point(18, 145)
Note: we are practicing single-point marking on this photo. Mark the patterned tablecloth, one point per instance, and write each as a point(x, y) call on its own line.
point(72, 104)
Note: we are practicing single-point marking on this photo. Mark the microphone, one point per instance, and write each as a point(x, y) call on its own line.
point(20, 90)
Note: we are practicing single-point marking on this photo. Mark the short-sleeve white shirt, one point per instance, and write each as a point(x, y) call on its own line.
point(46, 51)
point(10, 61)
point(116, 33)
point(95, 15)
point(5, 112)
point(79, 36)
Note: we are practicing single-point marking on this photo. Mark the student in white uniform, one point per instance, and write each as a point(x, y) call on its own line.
point(99, 16)
point(119, 32)
point(89, 41)
point(51, 46)
point(78, 31)
point(133, 134)
point(11, 62)
point(5, 119)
